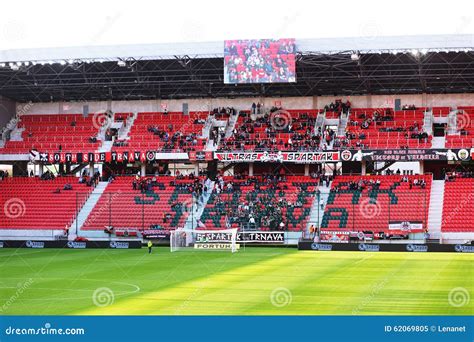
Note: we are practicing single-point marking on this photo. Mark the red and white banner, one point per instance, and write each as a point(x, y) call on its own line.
point(334, 236)
point(272, 157)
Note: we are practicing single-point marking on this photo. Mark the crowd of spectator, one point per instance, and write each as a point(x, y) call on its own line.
point(196, 185)
point(93, 180)
point(420, 183)
point(260, 209)
point(323, 179)
point(374, 184)
point(264, 134)
point(173, 140)
point(47, 175)
point(355, 138)
point(450, 176)
point(338, 107)
point(260, 61)
point(359, 185)
point(223, 112)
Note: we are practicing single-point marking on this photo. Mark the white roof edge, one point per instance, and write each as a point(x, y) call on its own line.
point(215, 49)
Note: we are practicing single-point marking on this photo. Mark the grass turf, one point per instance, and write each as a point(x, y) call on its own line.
point(257, 281)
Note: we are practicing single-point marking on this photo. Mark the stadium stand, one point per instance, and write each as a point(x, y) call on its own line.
point(458, 205)
point(441, 111)
point(173, 131)
point(465, 126)
point(159, 203)
point(280, 130)
point(370, 203)
point(269, 200)
point(33, 203)
point(381, 128)
point(53, 133)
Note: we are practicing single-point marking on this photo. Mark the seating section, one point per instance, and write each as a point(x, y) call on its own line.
point(124, 208)
point(281, 130)
point(172, 132)
point(381, 128)
point(289, 202)
point(30, 203)
point(465, 125)
point(376, 128)
point(332, 115)
point(375, 206)
point(53, 133)
point(122, 116)
point(458, 206)
point(441, 111)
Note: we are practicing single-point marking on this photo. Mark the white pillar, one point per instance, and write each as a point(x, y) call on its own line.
point(364, 166)
point(422, 167)
point(91, 169)
point(250, 169)
point(306, 169)
point(143, 170)
point(40, 170)
point(196, 169)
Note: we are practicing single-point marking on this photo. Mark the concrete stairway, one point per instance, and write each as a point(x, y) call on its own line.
point(106, 146)
point(125, 129)
point(86, 210)
point(210, 146)
point(341, 129)
point(452, 128)
point(438, 142)
point(207, 127)
point(435, 214)
point(428, 122)
point(16, 134)
point(103, 129)
point(317, 212)
point(231, 125)
point(7, 130)
point(198, 206)
point(319, 122)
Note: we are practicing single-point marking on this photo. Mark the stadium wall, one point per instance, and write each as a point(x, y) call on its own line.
point(205, 104)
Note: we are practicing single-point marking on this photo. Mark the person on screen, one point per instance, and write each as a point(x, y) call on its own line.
point(278, 61)
point(282, 75)
point(233, 49)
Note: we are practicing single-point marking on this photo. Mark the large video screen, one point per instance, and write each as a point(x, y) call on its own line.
point(259, 61)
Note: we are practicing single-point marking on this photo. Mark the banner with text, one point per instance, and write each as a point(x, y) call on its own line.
point(272, 157)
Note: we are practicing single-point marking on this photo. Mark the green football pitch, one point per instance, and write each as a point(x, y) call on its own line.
point(255, 281)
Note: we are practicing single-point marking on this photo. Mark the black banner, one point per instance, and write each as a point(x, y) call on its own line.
point(96, 157)
point(156, 234)
point(384, 247)
point(116, 244)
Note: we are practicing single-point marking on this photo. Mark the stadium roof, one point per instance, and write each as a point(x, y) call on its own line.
point(342, 66)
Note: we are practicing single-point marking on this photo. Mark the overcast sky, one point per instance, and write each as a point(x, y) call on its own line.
point(51, 23)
